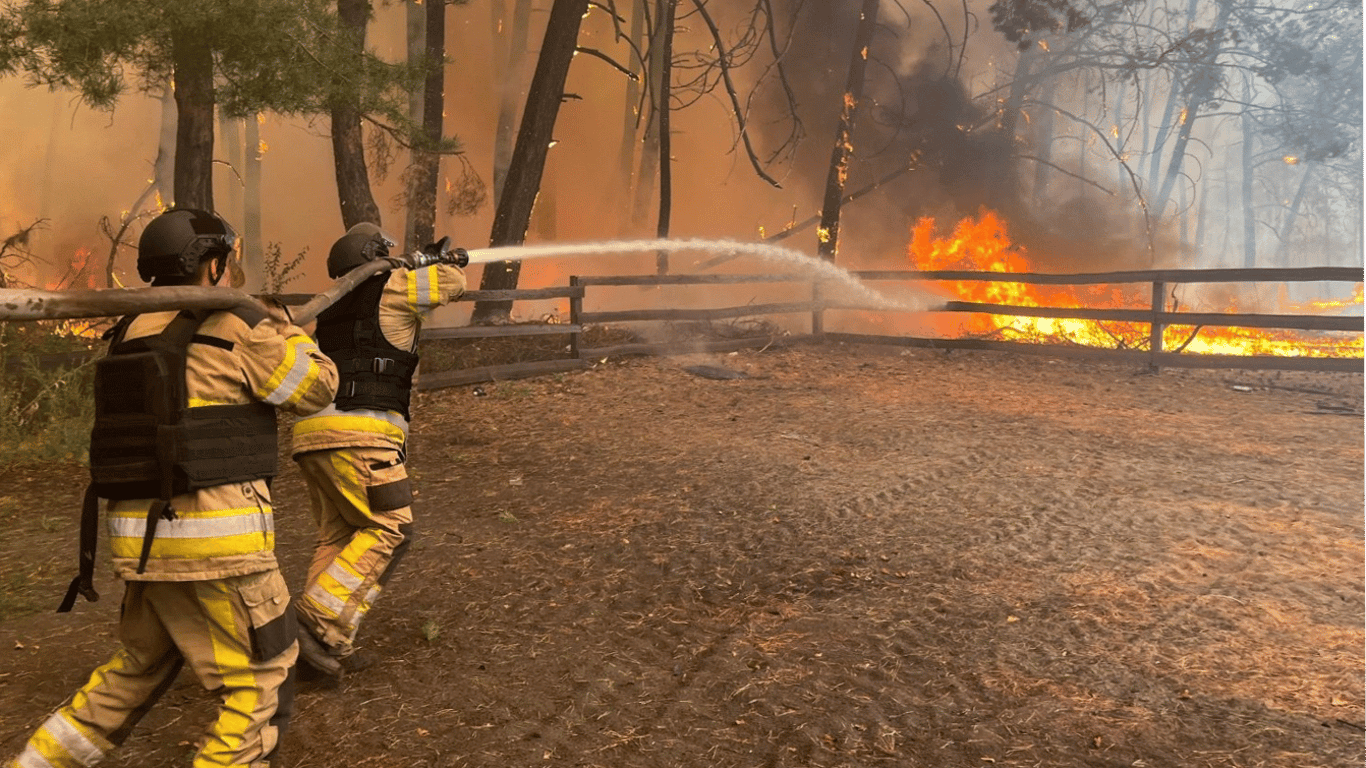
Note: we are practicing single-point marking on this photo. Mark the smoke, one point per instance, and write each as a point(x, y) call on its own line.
point(928, 106)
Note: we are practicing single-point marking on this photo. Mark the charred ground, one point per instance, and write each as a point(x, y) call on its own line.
point(850, 557)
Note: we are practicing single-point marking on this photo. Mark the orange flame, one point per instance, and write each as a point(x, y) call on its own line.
point(982, 244)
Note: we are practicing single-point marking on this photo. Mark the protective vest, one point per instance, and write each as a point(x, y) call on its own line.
point(147, 443)
point(372, 372)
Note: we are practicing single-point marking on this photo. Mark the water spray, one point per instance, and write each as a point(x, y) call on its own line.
point(868, 298)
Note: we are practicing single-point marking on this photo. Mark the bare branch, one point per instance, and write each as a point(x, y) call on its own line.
point(612, 62)
point(739, 112)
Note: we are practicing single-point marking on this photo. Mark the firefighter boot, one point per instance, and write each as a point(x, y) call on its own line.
point(315, 663)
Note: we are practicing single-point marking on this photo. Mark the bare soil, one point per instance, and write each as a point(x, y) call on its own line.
point(849, 556)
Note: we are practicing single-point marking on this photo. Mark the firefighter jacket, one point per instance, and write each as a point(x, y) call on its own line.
point(408, 296)
point(223, 530)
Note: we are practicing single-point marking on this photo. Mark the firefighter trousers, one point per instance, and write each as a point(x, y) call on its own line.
point(238, 637)
point(361, 500)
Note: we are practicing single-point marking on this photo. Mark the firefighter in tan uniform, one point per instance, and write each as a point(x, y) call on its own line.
point(352, 452)
point(189, 518)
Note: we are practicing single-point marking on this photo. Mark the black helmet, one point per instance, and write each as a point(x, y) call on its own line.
point(361, 243)
point(174, 243)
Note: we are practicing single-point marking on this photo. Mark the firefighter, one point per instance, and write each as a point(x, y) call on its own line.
point(183, 447)
point(352, 453)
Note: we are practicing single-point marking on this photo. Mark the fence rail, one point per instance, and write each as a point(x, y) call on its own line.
point(1156, 316)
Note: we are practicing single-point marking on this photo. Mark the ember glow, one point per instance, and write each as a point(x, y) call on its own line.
point(982, 244)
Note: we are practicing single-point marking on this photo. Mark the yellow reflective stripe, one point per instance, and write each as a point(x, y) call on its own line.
point(231, 656)
point(193, 549)
point(353, 423)
point(199, 402)
point(423, 289)
point(57, 740)
point(330, 599)
point(288, 382)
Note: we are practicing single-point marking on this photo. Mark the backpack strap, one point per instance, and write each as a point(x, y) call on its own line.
point(83, 584)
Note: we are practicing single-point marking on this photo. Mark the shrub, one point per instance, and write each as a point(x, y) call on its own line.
point(46, 403)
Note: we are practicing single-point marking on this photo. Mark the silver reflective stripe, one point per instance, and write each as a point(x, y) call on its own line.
point(325, 600)
point(370, 598)
point(344, 577)
point(423, 278)
point(194, 527)
point(31, 759)
point(76, 743)
point(302, 364)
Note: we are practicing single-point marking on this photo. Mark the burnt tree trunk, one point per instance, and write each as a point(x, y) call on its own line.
point(348, 146)
point(524, 173)
point(194, 98)
point(427, 163)
point(666, 30)
point(828, 233)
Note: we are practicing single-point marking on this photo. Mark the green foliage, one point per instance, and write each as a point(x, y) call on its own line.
point(278, 272)
point(47, 402)
point(286, 56)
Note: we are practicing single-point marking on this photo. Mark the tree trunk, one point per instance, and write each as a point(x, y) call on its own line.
point(230, 147)
point(1010, 111)
point(829, 231)
point(348, 144)
point(666, 31)
point(1200, 92)
point(631, 114)
point(253, 248)
point(649, 150)
point(163, 168)
point(513, 216)
point(1249, 212)
point(1201, 209)
point(1291, 218)
point(1122, 181)
point(194, 98)
point(416, 15)
point(1043, 139)
point(427, 163)
point(509, 85)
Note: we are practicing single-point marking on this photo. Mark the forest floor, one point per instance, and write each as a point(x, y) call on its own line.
point(840, 556)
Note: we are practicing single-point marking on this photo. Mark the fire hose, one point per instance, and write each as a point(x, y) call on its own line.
point(27, 304)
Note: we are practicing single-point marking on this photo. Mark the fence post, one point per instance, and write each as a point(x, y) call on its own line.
point(575, 311)
point(1159, 304)
point(817, 313)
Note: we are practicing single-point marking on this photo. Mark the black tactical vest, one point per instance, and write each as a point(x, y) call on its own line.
point(148, 444)
point(373, 373)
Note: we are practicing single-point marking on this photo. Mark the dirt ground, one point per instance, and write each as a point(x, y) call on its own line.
point(849, 556)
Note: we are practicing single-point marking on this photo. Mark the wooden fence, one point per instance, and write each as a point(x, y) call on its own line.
point(1156, 316)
